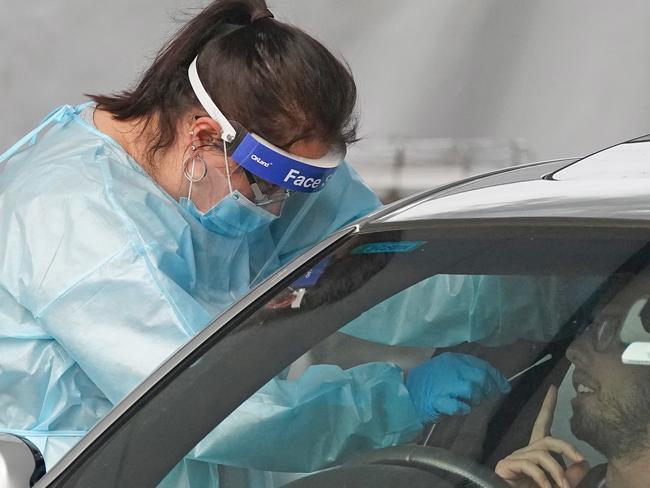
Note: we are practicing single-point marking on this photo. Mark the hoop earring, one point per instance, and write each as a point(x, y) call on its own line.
point(190, 176)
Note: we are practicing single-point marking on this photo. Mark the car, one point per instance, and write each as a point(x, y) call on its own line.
point(517, 267)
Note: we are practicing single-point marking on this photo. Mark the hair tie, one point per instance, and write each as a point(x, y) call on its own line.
point(261, 14)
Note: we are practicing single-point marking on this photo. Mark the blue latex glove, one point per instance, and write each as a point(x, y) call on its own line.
point(448, 384)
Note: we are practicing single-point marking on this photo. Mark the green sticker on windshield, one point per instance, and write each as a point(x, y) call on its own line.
point(387, 247)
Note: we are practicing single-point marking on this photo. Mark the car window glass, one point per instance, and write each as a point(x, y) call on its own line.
point(325, 377)
point(522, 305)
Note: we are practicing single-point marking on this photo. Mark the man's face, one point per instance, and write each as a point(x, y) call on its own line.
point(611, 410)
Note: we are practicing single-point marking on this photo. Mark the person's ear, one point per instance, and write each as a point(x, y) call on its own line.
point(206, 130)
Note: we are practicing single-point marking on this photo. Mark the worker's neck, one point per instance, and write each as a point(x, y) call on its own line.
point(134, 137)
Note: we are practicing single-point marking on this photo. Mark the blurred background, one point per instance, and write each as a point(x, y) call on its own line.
point(448, 88)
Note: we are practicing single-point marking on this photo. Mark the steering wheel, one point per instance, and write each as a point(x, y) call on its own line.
point(421, 464)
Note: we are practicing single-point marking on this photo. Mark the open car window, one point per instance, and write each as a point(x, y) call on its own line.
point(316, 372)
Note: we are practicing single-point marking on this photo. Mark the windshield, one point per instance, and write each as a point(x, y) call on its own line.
point(471, 340)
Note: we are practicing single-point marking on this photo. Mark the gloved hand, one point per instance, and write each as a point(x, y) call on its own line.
point(448, 384)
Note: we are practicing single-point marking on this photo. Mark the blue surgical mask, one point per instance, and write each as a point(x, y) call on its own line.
point(233, 216)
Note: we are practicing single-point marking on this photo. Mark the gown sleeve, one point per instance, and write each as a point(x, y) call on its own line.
point(120, 335)
point(447, 310)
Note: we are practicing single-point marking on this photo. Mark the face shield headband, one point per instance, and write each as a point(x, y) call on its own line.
point(263, 159)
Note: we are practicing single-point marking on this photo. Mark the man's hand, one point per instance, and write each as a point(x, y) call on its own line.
point(533, 466)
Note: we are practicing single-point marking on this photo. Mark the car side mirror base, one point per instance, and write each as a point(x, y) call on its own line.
point(21, 463)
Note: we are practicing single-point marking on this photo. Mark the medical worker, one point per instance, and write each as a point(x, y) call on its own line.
point(129, 223)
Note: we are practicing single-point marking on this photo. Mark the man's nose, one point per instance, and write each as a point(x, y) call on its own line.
point(578, 349)
point(571, 353)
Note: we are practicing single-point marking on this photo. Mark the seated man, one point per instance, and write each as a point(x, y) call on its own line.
point(611, 409)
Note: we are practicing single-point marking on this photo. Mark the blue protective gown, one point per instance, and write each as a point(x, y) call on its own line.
point(104, 275)
point(446, 310)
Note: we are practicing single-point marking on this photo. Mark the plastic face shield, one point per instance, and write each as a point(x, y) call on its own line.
point(271, 171)
point(265, 193)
